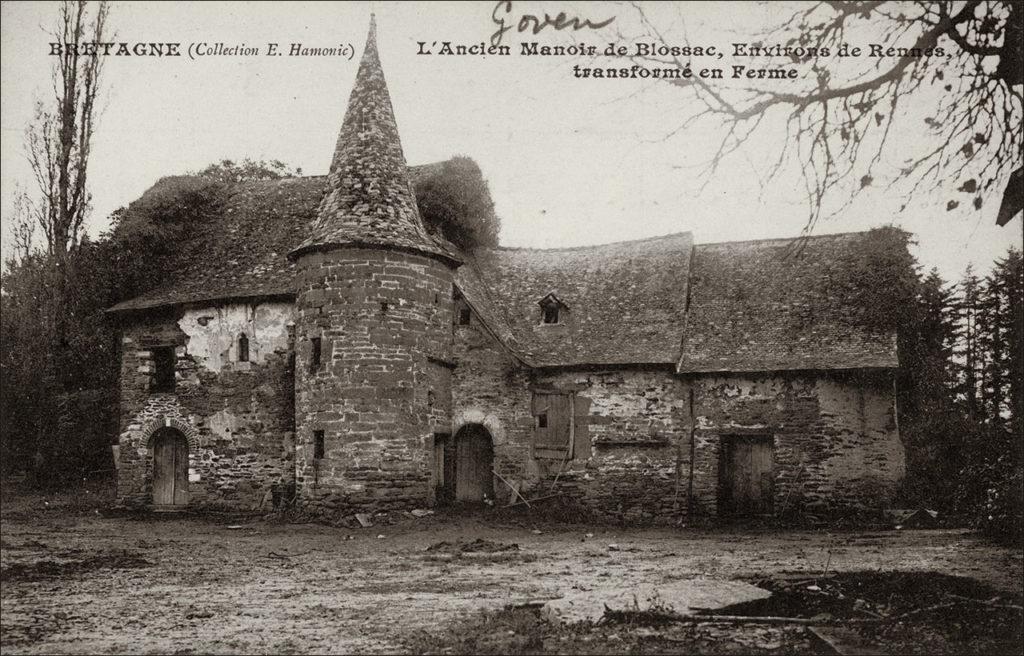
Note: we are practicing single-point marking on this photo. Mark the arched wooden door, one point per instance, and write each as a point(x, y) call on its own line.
point(474, 460)
point(170, 468)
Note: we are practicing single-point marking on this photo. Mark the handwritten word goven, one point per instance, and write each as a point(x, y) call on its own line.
point(526, 22)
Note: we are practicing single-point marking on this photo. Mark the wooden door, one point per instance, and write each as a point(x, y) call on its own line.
point(170, 469)
point(474, 460)
point(746, 475)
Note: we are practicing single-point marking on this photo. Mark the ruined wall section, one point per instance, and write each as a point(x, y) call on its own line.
point(383, 319)
point(835, 443)
point(239, 415)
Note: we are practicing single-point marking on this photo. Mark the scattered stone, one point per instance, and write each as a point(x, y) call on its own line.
point(364, 520)
point(235, 526)
point(381, 536)
point(422, 513)
point(537, 531)
point(613, 547)
point(589, 535)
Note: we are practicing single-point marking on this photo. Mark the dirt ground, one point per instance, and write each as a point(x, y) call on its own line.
point(79, 579)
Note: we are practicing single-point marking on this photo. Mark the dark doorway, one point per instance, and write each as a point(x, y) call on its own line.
point(745, 475)
point(444, 469)
point(170, 468)
point(474, 462)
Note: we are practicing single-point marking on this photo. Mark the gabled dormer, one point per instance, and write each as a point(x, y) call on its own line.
point(552, 310)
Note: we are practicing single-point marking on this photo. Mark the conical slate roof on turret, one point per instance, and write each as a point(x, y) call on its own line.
point(369, 200)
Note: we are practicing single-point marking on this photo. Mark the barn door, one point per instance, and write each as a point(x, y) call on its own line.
point(474, 460)
point(170, 469)
point(745, 471)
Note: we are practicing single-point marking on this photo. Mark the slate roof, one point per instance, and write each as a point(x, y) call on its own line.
point(751, 309)
point(369, 198)
point(625, 300)
point(758, 306)
point(242, 252)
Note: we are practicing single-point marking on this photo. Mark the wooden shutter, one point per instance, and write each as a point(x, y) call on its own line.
point(554, 440)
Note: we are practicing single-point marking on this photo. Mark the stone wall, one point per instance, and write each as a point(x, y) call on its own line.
point(835, 442)
point(638, 425)
point(384, 319)
point(392, 376)
point(491, 388)
point(834, 437)
point(237, 416)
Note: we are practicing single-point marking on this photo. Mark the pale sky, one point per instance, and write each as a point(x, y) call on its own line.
point(570, 162)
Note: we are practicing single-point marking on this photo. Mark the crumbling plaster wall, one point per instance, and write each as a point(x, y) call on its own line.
point(242, 413)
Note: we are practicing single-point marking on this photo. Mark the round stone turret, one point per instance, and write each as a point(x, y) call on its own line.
point(373, 326)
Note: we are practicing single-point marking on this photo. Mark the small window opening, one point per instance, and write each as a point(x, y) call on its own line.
point(383, 308)
point(315, 354)
point(318, 444)
point(551, 314)
point(243, 348)
point(542, 420)
point(163, 361)
point(465, 314)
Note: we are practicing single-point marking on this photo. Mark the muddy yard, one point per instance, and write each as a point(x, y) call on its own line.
point(77, 578)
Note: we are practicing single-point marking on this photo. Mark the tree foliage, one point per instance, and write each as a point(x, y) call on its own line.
point(229, 172)
point(456, 203)
point(960, 403)
point(842, 121)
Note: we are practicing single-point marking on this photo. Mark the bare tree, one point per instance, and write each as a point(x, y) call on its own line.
point(59, 138)
point(839, 127)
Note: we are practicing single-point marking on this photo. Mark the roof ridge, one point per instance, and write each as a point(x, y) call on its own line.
point(592, 246)
point(771, 239)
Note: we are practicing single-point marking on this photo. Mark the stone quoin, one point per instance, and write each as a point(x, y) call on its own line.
point(328, 352)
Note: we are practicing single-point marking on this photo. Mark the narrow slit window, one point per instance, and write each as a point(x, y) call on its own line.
point(318, 444)
point(163, 363)
point(542, 420)
point(243, 348)
point(316, 354)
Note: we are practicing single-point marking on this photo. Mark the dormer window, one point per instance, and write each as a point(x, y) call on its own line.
point(552, 309)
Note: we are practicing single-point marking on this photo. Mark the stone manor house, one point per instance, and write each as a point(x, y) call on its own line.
point(327, 351)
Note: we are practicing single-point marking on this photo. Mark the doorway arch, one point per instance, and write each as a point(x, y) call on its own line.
point(170, 468)
point(474, 462)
